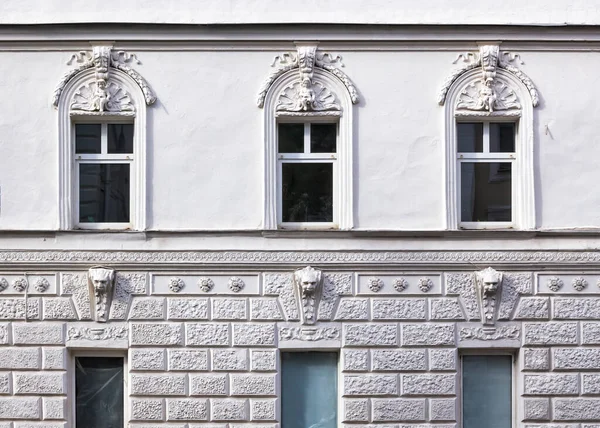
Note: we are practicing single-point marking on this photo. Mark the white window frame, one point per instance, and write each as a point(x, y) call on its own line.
point(488, 157)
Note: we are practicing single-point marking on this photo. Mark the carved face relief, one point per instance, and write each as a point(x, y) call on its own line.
point(488, 283)
point(102, 279)
point(101, 283)
point(308, 283)
point(308, 279)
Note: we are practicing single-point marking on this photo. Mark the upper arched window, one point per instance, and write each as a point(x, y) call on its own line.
point(102, 137)
point(308, 105)
point(489, 143)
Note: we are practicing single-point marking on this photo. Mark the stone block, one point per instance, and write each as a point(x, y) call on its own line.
point(59, 308)
point(230, 359)
point(187, 309)
point(38, 333)
point(446, 309)
point(263, 409)
point(550, 333)
point(370, 334)
point(5, 383)
point(577, 409)
point(576, 359)
point(536, 409)
point(187, 409)
point(207, 334)
point(147, 308)
point(428, 334)
point(13, 408)
point(591, 383)
point(576, 308)
point(263, 360)
point(536, 359)
point(54, 408)
point(265, 310)
point(39, 383)
point(228, 410)
point(369, 385)
point(151, 334)
point(147, 359)
point(254, 334)
point(398, 409)
point(590, 333)
point(356, 410)
point(147, 409)
point(442, 409)
point(253, 384)
point(355, 360)
point(442, 359)
point(353, 309)
point(551, 384)
point(54, 359)
point(14, 309)
point(399, 309)
point(208, 384)
point(158, 384)
point(429, 384)
point(229, 309)
point(533, 308)
point(20, 358)
point(398, 359)
point(188, 359)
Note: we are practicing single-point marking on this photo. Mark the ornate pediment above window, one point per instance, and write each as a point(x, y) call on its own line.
point(490, 92)
point(307, 95)
point(102, 93)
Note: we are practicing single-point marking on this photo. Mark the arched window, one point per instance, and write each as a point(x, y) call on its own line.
point(489, 143)
point(308, 105)
point(102, 142)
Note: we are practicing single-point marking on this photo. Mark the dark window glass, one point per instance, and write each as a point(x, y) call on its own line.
point(99, 392)
point(487, 391)
point(87, 138)
point(502, 137)
point(307, 192)
point(291, 137)
point(485, 191)
point(120, 138)
point(309, 389)
point(323, 137)
point(469, 137)
point(104, 193)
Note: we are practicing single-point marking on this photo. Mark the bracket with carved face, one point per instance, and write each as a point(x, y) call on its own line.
point(101, 284)
point(308, 284)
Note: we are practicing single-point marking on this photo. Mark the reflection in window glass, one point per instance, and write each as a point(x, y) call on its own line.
point(307, 192)
point(323, 137)
point(502, 137)
point(469, 137)
point(99, 392)
point(88, 138)
point(120, 138)
point(291, 137)
point(309, 389)
point(485, 191)
point(103, 193)
point(487, 391)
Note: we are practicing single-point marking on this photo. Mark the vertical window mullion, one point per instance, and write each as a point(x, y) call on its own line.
point(486, 137)
point(307, 138)
point(104, 139)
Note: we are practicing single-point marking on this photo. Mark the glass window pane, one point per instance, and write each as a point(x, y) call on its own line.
point(104, 193)
point(88, 138)
point(469, 137)
point(487, 391)
point(291, 137)
point(485, 191)
point(99, 392)
point(309, 389)
point(323, 137)
point(120, 138)
point(307, 192)
point(502, 137)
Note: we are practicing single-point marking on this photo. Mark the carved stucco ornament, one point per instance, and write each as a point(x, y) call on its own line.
point(103, 94)
point(488, 94)
point(305, 95)
point(308, 284)
point(101, 283)
point(489, 290)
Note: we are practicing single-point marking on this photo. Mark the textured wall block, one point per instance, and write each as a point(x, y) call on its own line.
point(253, 384)
point(229, 309)
point(591, 383)
point(550, 333)
point(265, 361)
point(265, 309)
point(38, 334)
point(370, 385)
point(355, 360)
point(353, 309)
point(147, 359)
point(370, 334)
point(59, 308)
point(576, 358)
point(577, 409)
point(5, 383)
point(187, 309)
point(39, 383)
point(429, 384)
point(147, 409)
point(209, 384)
point(147, 308)
point(551, 384)
point(536, 359)
point(14, 309)
point(188, 359)
point(536, 409)
point(158, 384)
point(442, 359)
point(228, 410)
point(230, 359)
point(207, 334)
point(263, 410)
point(54, 408)
point(590, 332)
point(399, 309)
point(356, 410)
point(12, 408)
point(398, 359)
point(4, 333)
point(254, 334)
point(578, 308)
point(187, 409)
point(398, 409)
point(428, 334)
point(54, 359)
point(446, 309)
point(533, 308)
point(20, 358)
point(148, 334)
point(442, 409)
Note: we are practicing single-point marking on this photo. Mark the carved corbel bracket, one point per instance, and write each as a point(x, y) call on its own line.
point(101, 283)
point(308, 285)
point(489, 292)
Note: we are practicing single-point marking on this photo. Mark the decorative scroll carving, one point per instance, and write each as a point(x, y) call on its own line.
point(490, 97)
point(312, 334)
point(103, 333)
point(101, 282)
point(102, 97)
point(482, 333)
point(489, 289)
point(308, 283)
point(305, 94)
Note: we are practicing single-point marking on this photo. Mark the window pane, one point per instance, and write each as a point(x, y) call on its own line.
point(104, 193)
point(485, 191)
point(120, 138)
point(323, 137)
point(309, 389)
point(502, 137)
point(87, 138)
point(307, 192)
point(469, 137)
point(99, 392)
point(487, 391)
point(291, 137)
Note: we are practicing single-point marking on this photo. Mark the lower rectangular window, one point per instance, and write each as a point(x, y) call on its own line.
point(309, 389)
point(307, 192)
point(486, 191)
point(104, 192)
